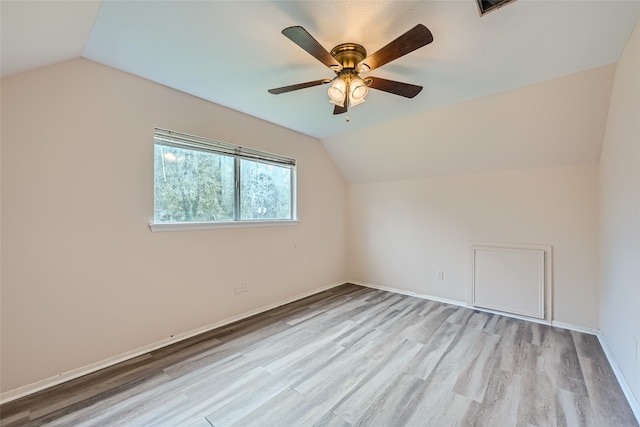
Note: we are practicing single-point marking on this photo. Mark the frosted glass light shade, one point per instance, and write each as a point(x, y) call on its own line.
point(337, 92)
point(358, 91)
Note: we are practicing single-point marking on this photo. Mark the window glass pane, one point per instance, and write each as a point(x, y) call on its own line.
point(265, 191)
point(192, 186)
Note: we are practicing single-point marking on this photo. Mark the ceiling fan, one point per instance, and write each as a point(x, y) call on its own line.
point(348, 60)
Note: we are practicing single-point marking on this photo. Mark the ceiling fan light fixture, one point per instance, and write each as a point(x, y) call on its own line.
point(348, 60)
point(337, 92)
point(354, 102)
point(358, 91)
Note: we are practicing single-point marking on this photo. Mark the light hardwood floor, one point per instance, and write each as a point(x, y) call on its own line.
point(350, 356)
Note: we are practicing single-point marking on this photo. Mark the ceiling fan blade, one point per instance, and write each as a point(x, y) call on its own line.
point(285, 89)
point(341, 110)
point(413, 39)
point(302, 38)
point(397, 88)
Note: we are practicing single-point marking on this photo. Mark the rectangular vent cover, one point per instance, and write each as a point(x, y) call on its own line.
point(485, 6)
point(512, 278)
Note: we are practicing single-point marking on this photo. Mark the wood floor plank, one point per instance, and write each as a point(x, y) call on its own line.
point(512, 334)
point(588, 346)
point(229, 348)
point(15, 419)
point(348, 356)
point(351, 336)
point(436, 395)
point(565, 366)
point(429, 355)
point(604, 394)
point(478, 320)
point(528, 357)
point(77, 392)
point(449, 413)
point(376, 345)
point(298, 365)
point(474, 378)
point(447, 370)
point(491, 324)
point(378, 305)
point(540, 334)
point(435, 317)
point(572, 409)
point(327, 386)
point(390, 406)
point(121, 409)
point(276, 410)
point(408, 317)
point(331, 420)
point(536, 405)
point(222, 373)
point(242, 398)
point(500, 402)
point(460, 317)
point(356, 403)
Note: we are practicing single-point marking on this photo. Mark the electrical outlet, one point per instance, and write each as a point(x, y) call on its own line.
point(440, 275)
point(241, 288)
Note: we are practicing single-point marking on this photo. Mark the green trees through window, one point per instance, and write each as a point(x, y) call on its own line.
point(265, 191)
point(195, 185)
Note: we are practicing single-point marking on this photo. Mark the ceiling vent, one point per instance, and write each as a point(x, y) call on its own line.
point(485, 6)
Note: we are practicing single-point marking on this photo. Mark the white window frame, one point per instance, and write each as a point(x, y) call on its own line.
point(191, 142)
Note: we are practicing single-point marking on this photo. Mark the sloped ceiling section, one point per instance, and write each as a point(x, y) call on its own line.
point(38, 33)
point(232, 52)
point(554, 123)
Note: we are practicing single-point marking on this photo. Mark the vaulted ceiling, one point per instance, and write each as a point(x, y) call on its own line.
point(231, 52)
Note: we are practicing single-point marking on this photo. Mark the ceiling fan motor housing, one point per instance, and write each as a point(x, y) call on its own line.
point(349, 54)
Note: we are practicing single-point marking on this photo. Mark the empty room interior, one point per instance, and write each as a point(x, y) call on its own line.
point(203, 223)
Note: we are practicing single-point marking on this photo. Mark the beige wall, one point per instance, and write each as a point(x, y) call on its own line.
point(620, 218)
point(549, 134)
point(402, 232)
point(83, 278)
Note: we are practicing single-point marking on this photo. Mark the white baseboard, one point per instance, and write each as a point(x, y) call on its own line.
point(43, 384)
point(445, 301)
point(572, 327)
point(410, 293)
point(486, 310)
point(626, 389)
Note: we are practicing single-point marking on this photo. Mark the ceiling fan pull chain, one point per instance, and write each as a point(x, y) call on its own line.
point(347, 119)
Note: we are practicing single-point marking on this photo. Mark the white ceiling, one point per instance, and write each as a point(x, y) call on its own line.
point(38, 33)
point(231, 52)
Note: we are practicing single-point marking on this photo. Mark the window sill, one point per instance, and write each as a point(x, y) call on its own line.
point(189, 226)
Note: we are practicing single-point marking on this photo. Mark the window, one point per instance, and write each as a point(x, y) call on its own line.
point(197, 180)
